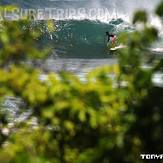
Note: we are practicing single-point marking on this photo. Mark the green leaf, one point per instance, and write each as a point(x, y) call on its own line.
point(159, 9)
point(140, 16)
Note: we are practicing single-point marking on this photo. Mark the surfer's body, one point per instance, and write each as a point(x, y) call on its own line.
point(112, 42)
point(111, 39)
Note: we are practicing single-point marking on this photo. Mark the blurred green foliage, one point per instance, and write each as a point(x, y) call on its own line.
point(159, 10)
point(113, 116)
point(140, 16)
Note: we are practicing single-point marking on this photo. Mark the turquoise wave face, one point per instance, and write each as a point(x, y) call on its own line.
point(81, 38)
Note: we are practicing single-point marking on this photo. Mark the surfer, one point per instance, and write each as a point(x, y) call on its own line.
point(111, 38)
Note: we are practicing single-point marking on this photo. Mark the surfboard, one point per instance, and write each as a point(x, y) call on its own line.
point(118, 47)
point(156, 50)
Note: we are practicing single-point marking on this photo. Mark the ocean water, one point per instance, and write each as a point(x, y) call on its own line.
point(79, 41)
point(84, 22)
point(80, 25)
point(81, 38)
